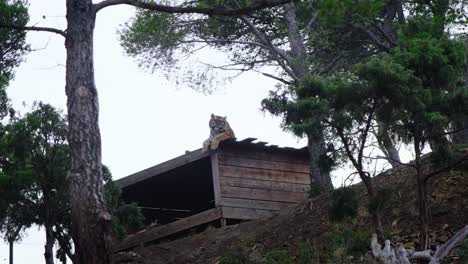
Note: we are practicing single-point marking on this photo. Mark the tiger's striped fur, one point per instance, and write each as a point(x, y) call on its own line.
point(219, 131)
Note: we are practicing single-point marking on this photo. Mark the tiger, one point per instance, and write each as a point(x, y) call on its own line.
point(219, 131)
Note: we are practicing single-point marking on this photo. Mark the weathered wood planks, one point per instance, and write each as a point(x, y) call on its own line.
point(154, 233)
point(263, 164)
point(246, 213)
point(263, 184)
point(161, 168)
point(264, 195)
point(255, 204)
point(263, 174)
point(256, 184)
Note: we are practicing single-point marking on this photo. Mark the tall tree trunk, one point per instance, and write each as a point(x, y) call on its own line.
point(422, 198)
point(90, 218)
point(10, 245)
point(316, 142)
point(49, 246)
point(461, 125)
point(316, 146)
point(386, 145)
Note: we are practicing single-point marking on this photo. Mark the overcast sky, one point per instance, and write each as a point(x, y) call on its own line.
point(144, 119)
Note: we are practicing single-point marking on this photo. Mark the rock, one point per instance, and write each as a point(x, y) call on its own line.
point(255, 257)
point(128, 257)
point(442, 238)
point(408, 245)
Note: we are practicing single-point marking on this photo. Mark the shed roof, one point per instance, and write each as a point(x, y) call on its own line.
point(197, 155)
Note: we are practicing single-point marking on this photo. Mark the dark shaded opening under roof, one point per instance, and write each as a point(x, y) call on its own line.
point(175, 194)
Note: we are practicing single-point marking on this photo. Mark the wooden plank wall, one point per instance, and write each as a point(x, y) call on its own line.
point(256, 184)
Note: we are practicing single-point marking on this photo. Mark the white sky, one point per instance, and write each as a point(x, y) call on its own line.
point(144, 119)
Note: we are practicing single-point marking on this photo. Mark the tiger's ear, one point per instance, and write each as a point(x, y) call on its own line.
point(225, 118)
point(212, 115)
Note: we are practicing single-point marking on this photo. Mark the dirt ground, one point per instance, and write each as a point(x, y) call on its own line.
point(310, 222)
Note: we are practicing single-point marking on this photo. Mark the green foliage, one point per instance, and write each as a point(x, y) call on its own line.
point(350, 11)
point(231, 258)
point(304, 253)
point(380, 201)
point(462, 251)
point(344, 204)
point(125, 217)
point(34, 158)
point(12, 45)
point(278, 257)
point(351, 241)
point(156, 34)
point(314, 190)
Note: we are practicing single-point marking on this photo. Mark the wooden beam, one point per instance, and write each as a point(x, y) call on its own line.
point(263, 174)
point(247, 140)
point(267, 153)
point(216, 182)
point(158, 232)
point(161, 168)
point(263, 184)
point(263, 164)
point(263, 195)
point(256, 204)
point(245, 213)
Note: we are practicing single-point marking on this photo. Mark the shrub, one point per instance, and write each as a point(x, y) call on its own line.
point(279, 257)
point(344, 204)
point(231, 258)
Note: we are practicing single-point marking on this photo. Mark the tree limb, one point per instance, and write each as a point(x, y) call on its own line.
point(277, 78)
point(44, 29)
point(400, 255)
point(445, 249)
point(279, 55)
point(217, 10)
point(374, 38)
point(225, 41)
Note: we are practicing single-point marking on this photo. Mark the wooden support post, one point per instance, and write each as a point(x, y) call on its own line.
point(216, 184)
point(223, 222)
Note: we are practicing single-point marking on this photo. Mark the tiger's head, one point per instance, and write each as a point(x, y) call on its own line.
point(218, 124)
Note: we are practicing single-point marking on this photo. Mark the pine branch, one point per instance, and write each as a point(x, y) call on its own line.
point(43, 29)
point(218, 10)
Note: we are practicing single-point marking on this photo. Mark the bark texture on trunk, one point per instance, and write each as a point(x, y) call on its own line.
point(316, 143)
point(49, 246)
point(387, 146)
point(316, 146)
point(422, 198)
point(90, 218)
point(461, 125)
point(10, 247)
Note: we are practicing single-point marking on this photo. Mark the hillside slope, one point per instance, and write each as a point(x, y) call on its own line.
point(306, 232)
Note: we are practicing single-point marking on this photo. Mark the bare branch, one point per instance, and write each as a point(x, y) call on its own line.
point(218, 10)
point(276, 78)
point(374, 38)
point(26, 28)
point(279, 55)
point(308, 27)
point(443, 251)
point(224, 41)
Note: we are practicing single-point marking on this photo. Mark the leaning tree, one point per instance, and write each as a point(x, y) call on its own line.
point(91, 221)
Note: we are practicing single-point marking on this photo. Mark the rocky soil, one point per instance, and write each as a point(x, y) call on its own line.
point(309, 224)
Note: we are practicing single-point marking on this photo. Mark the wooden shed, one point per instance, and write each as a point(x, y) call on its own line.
point(241, 180)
